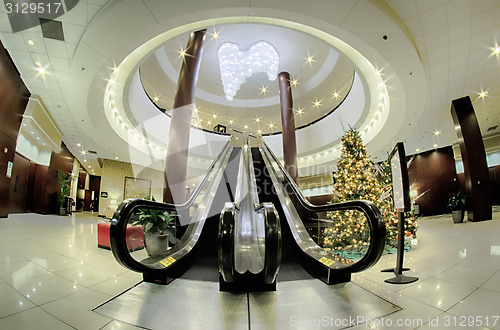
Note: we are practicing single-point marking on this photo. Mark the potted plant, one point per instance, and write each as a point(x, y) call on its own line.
point(159, 229)
point(64, 180)
point(456, 203)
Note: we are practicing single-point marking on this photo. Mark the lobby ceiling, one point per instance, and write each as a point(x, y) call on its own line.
point(320, 79)
point(456, 44)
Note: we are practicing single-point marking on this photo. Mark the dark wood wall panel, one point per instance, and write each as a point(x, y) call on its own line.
point(30, 191)
point(39, 184)
point(5, 142)
point(19, 184)
point(474, 159)
point(95, 186)
point(434, 171)
point(13, 99)
point(495, 184)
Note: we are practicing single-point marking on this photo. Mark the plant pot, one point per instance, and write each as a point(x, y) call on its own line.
point(155, 244)
point(457, 216)
point(62, 211)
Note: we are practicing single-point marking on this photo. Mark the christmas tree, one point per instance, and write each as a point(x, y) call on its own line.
point(358, 178)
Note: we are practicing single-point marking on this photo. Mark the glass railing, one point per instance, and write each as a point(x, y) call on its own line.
point(347, 236)
point(151, 237)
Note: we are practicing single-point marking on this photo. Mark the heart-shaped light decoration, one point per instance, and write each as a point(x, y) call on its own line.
point(237, 66)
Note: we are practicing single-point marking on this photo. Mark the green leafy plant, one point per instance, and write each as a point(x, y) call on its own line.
point(64, 181)
point(457, 201)
point(156, 221)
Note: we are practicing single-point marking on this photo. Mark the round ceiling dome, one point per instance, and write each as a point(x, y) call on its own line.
point(321, 77)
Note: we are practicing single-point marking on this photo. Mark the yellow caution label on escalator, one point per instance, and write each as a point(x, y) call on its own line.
point(327, 262)
point(167, 262)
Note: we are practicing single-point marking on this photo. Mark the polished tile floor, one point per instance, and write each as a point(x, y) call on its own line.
point(52, 274)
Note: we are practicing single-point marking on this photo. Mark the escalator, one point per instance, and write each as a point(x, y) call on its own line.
point(302, 257)
point(235, 235)
point(248, 234)
point(194, 256)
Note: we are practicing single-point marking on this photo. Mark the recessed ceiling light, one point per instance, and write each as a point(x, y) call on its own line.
point(116, 157)
point(43, 143)
point(246, 126)
point(495, 50)
point(483, 94)
point(40, 70)
point(294, 82)
point(209, 122)
point(31, 42)
point(215, 35)
point(214, 116)
point(417, 150)
point(335, 95)
point(437, 132)
point(271, 125)
point(309, 59)
point(24, 125)
point(259, 131)
point(182, 53)
point(435, 145)
point(317, 103)
point(32, 132)
point(83, 152)
point(115, 69)
point(37, 138)
point(257, 120)
point(263, 90)
point(78, 144)
point(155, 98)
point(90, 166)
point(84, 160)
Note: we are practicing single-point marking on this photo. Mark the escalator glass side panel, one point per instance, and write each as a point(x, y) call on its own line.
point(181, 225)
point(315, 234)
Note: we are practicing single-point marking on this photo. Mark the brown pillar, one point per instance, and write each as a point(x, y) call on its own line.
point(477, 182)
point(288, 126)
point(178, 139)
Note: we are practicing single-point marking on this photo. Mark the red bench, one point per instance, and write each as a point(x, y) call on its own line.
point(134, 236)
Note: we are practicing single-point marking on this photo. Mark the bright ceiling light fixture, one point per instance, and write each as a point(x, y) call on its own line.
point(483, 94)
point(237, 66)
point(263, 90)
point(495, 50)
point(215, 34)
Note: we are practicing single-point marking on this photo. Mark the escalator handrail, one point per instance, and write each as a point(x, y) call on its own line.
point(117, 235)
point(272, 260)
point(225, 242)
point(375, 220)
